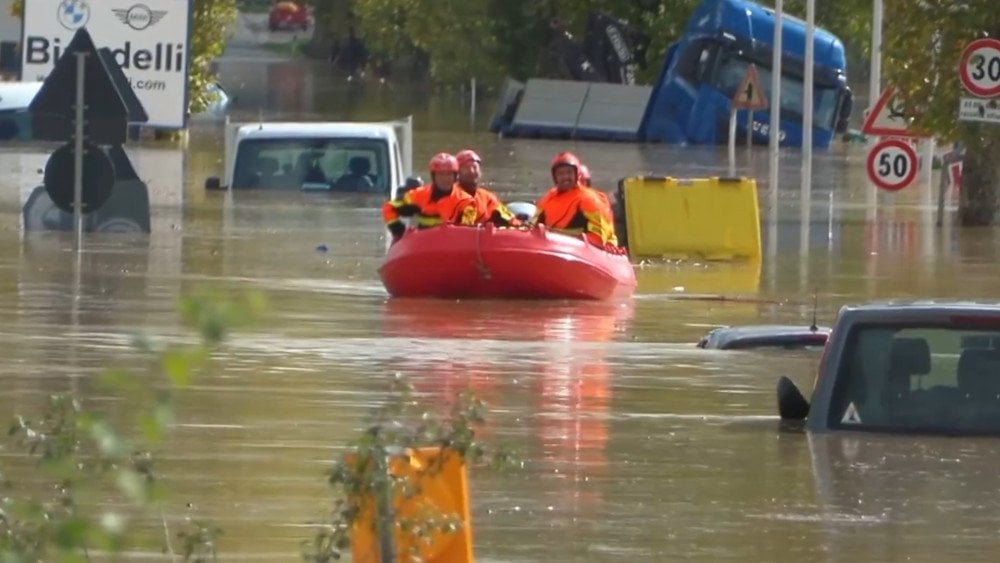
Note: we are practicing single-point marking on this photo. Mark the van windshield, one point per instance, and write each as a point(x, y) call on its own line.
point(335, 164)
point(919, 378)
point(731, 71)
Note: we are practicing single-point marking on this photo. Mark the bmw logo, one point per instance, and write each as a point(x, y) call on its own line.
point(73, 14)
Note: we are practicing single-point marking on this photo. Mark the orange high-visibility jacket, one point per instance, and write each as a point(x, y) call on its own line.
point(491, 209)
point(578, 210)
point(432, 207)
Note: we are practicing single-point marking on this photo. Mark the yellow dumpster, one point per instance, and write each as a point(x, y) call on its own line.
point(703, 218)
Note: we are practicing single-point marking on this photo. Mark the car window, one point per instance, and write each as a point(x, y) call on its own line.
point(338, 164)
point(914, 378)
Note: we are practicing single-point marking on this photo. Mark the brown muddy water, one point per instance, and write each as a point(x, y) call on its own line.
point(636, 445)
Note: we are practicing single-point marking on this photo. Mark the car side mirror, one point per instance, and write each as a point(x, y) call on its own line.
point(844, 115)
point(213, 183)
point(791, 404)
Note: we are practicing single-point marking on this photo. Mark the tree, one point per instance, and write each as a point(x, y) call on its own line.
point(211, 19)
point(923, 42)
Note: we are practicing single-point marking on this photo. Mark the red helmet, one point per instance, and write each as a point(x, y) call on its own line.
point(566, 159)
point(466, 156)
point(584, 173)
point(444, 162)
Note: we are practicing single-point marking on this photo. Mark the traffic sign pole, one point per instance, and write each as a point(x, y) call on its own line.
point(732, 143)
point(81, 66)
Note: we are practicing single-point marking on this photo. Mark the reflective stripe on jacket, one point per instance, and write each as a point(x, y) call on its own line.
point(432, 207)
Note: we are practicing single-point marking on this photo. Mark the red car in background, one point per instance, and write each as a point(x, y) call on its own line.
point(288, 15)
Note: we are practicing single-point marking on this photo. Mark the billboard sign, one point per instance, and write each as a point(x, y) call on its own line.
point(150, 40)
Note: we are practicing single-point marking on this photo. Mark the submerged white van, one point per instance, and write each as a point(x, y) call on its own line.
point(362, 157)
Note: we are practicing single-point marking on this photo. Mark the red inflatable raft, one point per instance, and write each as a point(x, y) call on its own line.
point(490, 262)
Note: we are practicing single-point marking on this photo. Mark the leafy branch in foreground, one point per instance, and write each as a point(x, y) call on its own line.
point(95, 481)
point(372, 488)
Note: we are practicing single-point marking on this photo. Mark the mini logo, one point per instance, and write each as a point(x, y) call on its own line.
point(139, 16)
point(73, 14)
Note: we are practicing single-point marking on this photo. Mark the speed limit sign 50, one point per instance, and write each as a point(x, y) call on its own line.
point(980, 67)
point(892, 164)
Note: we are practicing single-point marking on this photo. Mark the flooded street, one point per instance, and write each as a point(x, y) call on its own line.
point(636, 444)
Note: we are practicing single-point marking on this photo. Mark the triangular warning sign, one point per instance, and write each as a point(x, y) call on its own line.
point(749, 94)
point(886, 117)
point(851, 415)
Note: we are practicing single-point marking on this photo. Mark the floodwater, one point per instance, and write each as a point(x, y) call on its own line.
point(635, 444)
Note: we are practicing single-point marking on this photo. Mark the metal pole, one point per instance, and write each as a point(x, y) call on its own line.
point(732, 143)
point(807, 102)
point(875, 80)
point(386, 523)
point(927, 183)
point(749, 128)
point(875, 84)
point(774, 129)
point(81, 66)
point(472, 105)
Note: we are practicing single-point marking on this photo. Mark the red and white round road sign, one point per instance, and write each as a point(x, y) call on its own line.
point(980, 67)
point(892, 164)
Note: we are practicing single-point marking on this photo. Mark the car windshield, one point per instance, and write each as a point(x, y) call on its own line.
point(732, 70)
point(917, 378)
point(336, 164)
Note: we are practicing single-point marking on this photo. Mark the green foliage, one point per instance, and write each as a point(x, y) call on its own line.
point(82, 453)
point(399, 424)
point(923, 42)
point(16, 8)
point(211, 19)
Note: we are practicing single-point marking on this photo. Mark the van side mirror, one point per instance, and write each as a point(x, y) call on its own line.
point(213, 183)
point(791, 404)
point(844, 115)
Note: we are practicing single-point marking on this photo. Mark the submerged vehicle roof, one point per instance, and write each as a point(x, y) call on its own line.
point(17, 95)
point(765, 336)
point(299, 129)
point(920, 309)
point(745, 19)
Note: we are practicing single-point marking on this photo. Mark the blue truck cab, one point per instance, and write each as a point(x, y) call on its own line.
point(691, 99)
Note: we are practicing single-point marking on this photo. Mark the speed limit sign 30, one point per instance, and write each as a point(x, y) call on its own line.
point(980, 67)
point(892, 164)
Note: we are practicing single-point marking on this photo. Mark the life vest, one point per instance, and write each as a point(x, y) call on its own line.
point(432, 207)
point(609, 213)
point(491, 209)
point(578, 210)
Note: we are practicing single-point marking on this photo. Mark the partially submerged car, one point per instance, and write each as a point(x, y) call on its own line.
point(288, 15)
point(925, 367)
point(360, 157)
point(765, 336)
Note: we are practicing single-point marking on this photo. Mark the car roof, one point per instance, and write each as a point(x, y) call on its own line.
point(292, 130)
point(916, 310)
point(17, 95)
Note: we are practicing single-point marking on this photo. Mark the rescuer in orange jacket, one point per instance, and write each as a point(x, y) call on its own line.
point(572, 208)
point(585, 181)
point(437, 203)
point(491, 209)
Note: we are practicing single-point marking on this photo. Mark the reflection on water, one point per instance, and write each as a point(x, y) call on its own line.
point(637, 445)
